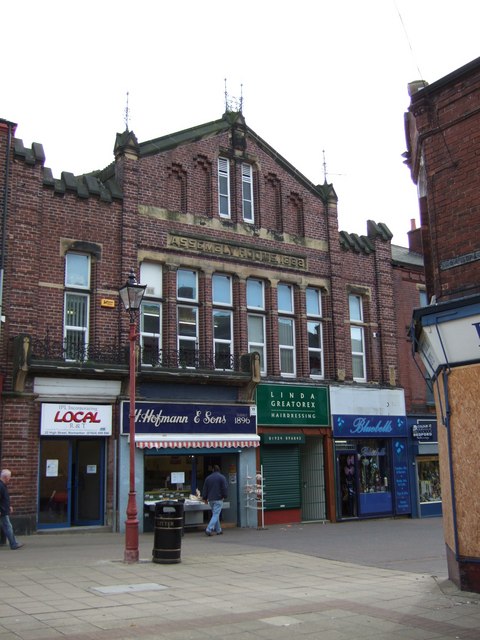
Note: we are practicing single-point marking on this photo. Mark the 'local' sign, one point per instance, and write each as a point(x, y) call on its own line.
point(76, 420)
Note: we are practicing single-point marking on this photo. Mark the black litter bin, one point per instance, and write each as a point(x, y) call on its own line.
point(167, 543)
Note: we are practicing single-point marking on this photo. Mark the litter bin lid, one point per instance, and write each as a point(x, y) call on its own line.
point(169, 506)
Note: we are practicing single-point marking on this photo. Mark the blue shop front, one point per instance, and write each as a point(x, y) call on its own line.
point(176, 446)
point(371, 453)
point(425, 474)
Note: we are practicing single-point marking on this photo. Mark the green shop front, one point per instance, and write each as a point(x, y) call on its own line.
point(296, 455)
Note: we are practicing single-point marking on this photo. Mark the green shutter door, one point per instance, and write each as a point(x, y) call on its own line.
point(281, 472)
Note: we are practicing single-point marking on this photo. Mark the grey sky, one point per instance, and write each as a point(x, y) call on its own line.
point(317, 76)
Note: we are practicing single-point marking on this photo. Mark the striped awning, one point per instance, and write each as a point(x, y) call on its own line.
point(197, 441)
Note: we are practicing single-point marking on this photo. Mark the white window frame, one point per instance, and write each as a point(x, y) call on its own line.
point(224, 188)
point(423, 298)
point(255, 345)
point(69, 330)
point(285, 316)
point(193, 298)
point(247, 193)
point(70, 281)
point(356, 326)
point(150, 336)
point(75, 288)
point(182, 339)
point(217, 301)
point(261, 306)
point(220, 343)
point(259, 347)
point(314, 316)
point(222, 307)
point(151, 275)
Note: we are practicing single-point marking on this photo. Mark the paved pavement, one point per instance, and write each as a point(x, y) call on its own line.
point(375, 580)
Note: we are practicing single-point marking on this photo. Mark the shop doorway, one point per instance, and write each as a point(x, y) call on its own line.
point(347, 486)
point(71, 482)
point(178, 475)
point(313, 480)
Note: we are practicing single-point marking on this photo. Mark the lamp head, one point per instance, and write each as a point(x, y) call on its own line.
point(132, 293)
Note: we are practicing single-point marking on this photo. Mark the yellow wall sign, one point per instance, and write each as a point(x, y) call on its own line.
point(107, 302)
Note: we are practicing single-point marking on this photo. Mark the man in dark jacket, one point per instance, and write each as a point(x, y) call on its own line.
point(6, 510)
point(215, 489)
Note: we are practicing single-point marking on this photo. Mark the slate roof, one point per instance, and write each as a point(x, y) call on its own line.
point(403, 255)
point(83, 186)
point(364, 244)
point(101, 183)
point(224, 124)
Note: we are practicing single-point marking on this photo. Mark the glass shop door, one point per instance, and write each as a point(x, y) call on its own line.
point(347, 485)
point(71, 482)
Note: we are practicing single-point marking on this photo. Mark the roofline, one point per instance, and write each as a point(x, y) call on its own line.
point(449, 305)
point(407, 252)
point(447, 80)
point(214, 127)
point(221, 124)
point(285, 163)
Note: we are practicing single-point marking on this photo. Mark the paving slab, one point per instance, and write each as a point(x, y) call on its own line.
point(382, 579)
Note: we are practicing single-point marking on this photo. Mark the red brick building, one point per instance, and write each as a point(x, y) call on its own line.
point(268, 342)
point(443, 151)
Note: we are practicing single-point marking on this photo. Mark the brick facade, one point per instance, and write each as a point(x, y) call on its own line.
point(158, 203)
point(443, 144)
point(442, 154)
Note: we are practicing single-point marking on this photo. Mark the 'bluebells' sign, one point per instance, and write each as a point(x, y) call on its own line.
point(369, 426)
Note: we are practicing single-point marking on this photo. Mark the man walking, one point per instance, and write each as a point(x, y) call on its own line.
point(215, 489)
point(6, 510)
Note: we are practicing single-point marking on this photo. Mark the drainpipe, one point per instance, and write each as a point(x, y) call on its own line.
point(6, 188)
point(10, 127)
point(446, 372)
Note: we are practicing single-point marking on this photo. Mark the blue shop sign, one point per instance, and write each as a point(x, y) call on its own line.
point(369, 426)
point(163, 417)
point(400, 477)
point(424, 429)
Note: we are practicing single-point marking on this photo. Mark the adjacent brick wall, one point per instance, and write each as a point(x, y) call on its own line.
point(443, 130)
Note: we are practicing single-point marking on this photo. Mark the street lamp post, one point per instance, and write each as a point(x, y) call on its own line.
point(131, 295)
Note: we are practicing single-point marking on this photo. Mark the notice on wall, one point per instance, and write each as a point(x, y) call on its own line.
point(91, 468)
point(51, 469)
point(400, 477)
point(177, 477)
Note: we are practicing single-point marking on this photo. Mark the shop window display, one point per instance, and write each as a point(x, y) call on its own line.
point(177, 477)
point(364, 474)
point(375, 494)
point(429, 489)
point(374, 472)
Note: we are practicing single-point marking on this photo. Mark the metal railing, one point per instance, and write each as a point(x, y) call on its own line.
point(76, 351)
point(95, 353)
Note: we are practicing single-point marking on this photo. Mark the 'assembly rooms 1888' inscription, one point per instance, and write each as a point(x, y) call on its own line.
point(238, 252)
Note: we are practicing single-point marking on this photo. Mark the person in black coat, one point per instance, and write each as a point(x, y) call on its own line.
point(215, 489)
point(6, 510)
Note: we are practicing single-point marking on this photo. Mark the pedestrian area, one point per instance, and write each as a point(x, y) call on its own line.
point(77, 586)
